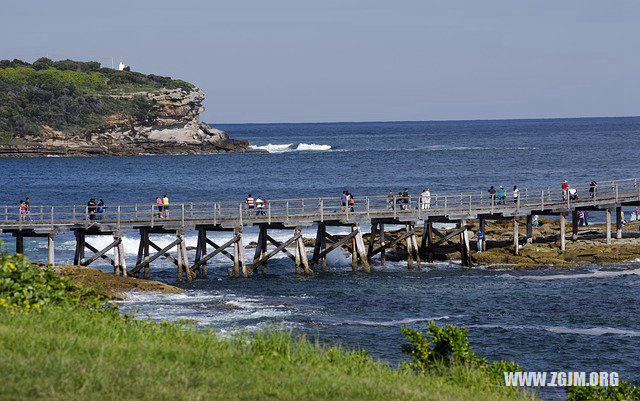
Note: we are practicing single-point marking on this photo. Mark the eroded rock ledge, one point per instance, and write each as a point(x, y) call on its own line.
point(173, 127)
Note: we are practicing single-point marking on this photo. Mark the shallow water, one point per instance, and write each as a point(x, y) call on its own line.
point(585, 318)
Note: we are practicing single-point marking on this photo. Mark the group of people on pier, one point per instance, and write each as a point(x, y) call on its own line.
point(163, 206)
point(95, 209)
point(403, 199)
point(256, 206)
point(499, 197)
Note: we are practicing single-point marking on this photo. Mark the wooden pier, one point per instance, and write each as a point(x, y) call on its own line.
point(295, 214)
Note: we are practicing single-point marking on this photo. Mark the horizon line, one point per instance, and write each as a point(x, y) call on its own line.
point(421, 121)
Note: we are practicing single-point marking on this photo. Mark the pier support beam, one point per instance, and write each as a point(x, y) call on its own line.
point(362, 251)
point(465, 250)
point(618, 222)
point(19, 243)
point(50, 250)
point(516, 244)
point(608, 225)
point(427, 240)
point(563, 222)
point(383, 257)
point(574, 225)
point(529, 229)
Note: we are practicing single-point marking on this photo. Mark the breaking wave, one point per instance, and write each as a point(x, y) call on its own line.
point(292, 147)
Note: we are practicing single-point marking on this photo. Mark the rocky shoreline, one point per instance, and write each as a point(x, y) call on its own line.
point(110, 285)
point(174, 127)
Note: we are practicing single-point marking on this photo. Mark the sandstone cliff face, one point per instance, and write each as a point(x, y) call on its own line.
point(173, 128)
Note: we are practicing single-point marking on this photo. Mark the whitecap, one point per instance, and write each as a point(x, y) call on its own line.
point(292, 147)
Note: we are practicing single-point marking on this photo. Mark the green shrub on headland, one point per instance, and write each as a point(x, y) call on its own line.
point(71, 95)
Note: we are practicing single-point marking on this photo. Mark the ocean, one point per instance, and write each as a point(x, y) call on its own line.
point(584, 318)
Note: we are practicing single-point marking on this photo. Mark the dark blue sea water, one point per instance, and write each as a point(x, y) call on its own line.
point(585, 318)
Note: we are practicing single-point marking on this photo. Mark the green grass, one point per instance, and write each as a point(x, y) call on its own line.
point(75, 354)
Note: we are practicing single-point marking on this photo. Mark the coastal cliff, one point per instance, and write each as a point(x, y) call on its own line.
point(70, 108)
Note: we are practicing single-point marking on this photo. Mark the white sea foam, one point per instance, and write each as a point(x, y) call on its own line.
point(458, 148)
point(589, 275)
point(591, 331)
point(391, 323)
point(292, 147)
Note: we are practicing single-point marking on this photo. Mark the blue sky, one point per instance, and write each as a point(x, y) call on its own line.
point(289, 61)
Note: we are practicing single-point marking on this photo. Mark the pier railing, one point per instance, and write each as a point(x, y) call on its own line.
point(324, 209)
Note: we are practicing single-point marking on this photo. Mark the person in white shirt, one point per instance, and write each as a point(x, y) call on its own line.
point(425, 199)
point(516, 194)
point(259, 206)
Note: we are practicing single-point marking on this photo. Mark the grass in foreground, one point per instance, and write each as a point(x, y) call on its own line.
point(74, 353)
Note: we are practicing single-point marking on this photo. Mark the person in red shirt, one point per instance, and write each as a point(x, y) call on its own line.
point(565, 189)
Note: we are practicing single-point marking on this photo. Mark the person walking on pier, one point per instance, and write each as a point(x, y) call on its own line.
point(343, 199)
point(390, 200)
point(91, 209)
point(565, 189)
point(400, 201)
point(592, 189)
point(159, 203)
point(350, 201)
point(100, 209)
point(259, 206)
point(480, 240)
point(23, 210)
point(516, 194)
point(502, 195)
point(165, 204)
point(425, 199)
point(250, 204)
point(405, 199)
point(492, 193)
point(27, 204)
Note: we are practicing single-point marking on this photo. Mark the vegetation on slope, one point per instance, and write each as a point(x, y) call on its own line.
point(71, 95)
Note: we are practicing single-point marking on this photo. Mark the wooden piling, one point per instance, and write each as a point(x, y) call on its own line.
point(323, 247)
point(263, 250)
point(430, 242)
point(50, 250)
point(516, 244)
point(574, 225)
point(608, 224)
point(236, 256)
point(123, 263)
point(354, 253)
point(619, 222)
point(303, 252)
point(383, 257)
point(147, 269)
point(179, 257)
point(465, 249)
point(409, 248)
point(185, 258)
point(563, 222)
point(242, 262)
point(416, 251)
point(78, 258)
point(361, 250)
point(529, 229)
